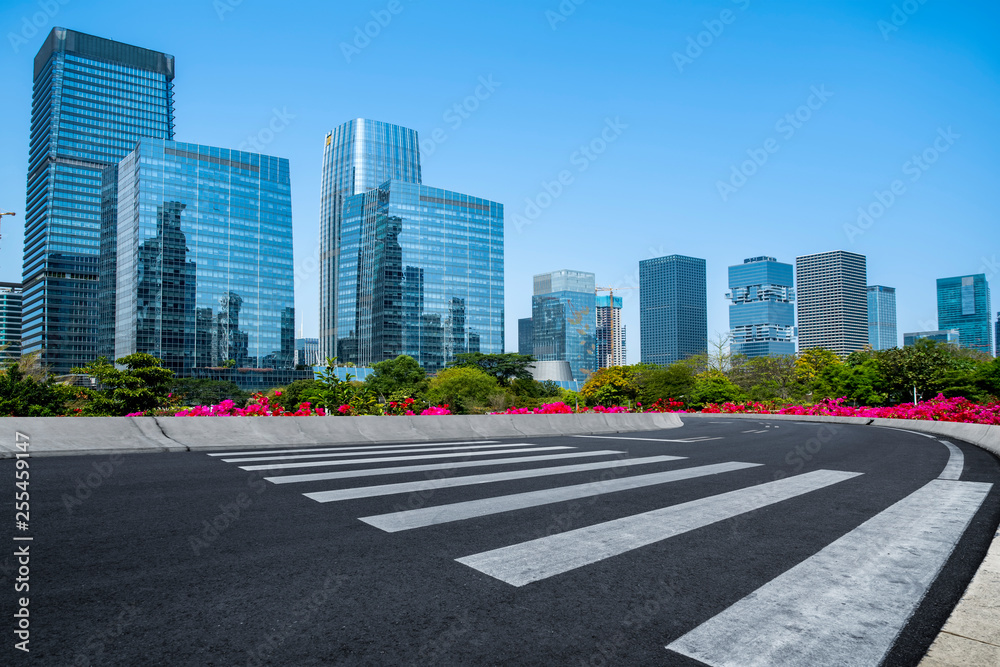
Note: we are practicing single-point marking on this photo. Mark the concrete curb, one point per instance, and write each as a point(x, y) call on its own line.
point(61, 436)
point(971, 635)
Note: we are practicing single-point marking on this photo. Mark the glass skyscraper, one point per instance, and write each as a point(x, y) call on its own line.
point(964, 303)
point(525, 336)
point(610, 332)
point(10, 321)
point(673, 309)
point(204, 261)
point(882, 317)
point(358, 156)
point(831, 291)
point(564, 320)
point(762, 312)
point(92, 100)
point(420, 273)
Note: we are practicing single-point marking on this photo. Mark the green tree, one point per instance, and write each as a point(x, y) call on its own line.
point(143, 386)
point(655, 382)
point(922, 366)
point(402, 375)
point(987, 378)
point(24, 396)
point(713, 386)
point(611, 386)
point(463, 388)
point(503, 367)
point(765, 378)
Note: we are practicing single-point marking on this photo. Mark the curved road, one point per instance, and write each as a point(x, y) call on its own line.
point(724, 542)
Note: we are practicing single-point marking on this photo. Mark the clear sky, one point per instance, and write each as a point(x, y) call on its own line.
point(686, 91)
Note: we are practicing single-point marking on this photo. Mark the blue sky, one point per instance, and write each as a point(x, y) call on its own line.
point(692, 90)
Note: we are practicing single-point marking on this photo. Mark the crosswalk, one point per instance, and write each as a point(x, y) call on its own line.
point(844, 605)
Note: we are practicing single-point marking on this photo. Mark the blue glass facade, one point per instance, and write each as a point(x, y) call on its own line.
point(964, 304)
point(358, 156)
point(92, 100)
point(564, 320)
point(951, 337)
point(10, 321)
point(420, 273)
point(204, 261)
point(762, 308)
point(673, 309)
point(882, 317)
point(525, 336)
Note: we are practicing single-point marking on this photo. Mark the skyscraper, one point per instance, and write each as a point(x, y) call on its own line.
point(525, 336)
point(610, 333)
point(564, 319)
point(10, 321)
point(673, 309)
point(951, 337)
point(762, 312)
point(359, 156)
point(420, 273)
point(831, 289)
point(92, 100)
point(964, 303)
point(882, 333)
point(204, 248)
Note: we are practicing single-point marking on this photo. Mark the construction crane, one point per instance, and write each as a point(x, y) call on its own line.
point(611, 301)
point(1, 219)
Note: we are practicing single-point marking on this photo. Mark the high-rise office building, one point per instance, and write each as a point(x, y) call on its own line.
point(762, 308)
point(358, 156)
point(525, 336)
point(951, 337)
point(10, 321)
point(882, 317)
point(673, 309)
point(964, 303)
point(564, 320)
point(996, 337)
point(611, 350)
point(420, 273)
point(831, 290)
point(204, 248)
point(307, 352)
point(92, 100)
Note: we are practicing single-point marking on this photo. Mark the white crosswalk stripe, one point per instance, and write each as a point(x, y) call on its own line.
point(345, 448)
point(453, 448)
point(846, 604)
point(344, 462)
point(544, 557)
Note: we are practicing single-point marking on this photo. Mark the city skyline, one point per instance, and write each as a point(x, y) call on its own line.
point(846, 157)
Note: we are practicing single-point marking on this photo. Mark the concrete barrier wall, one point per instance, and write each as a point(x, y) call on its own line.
point(981, 435)
point(105, 435)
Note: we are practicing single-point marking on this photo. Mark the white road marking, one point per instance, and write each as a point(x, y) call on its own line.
point(903, 430)
point(544, 557)
point(847, 604)
point(374, 472)
point(429, 516)
point(956, 462)
point(422, 457)
point(620, 437)
point(294, 457)
point(430, 484)
point(307, 449)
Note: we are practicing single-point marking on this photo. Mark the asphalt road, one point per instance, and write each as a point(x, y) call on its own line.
point(723, 542)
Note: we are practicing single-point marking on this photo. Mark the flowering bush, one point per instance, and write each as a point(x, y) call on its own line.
point(260, 406)
point(436, 410)
point(937, 409)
